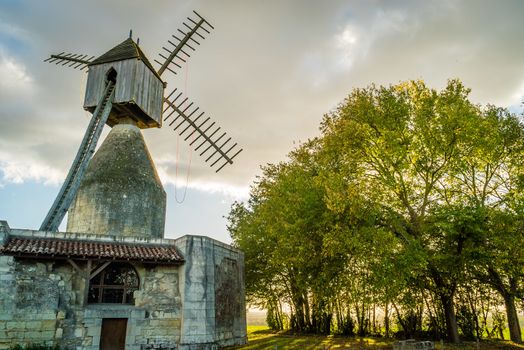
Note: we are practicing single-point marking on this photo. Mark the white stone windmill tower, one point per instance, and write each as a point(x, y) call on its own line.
point(118, 191)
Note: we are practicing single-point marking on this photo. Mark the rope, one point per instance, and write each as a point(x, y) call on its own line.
point(180, 201)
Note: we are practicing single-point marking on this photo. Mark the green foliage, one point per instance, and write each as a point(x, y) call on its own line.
point(466, 322)
point(499, 323)
point(347, 327)
point(408, 196)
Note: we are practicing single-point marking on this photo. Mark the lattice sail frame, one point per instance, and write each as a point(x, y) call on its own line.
point(184, 113)
point(196, 24)
point(176, 110)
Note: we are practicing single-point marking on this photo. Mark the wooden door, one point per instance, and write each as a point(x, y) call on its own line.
point(113, 335)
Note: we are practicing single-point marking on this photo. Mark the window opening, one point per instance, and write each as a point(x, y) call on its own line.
point(115, 285)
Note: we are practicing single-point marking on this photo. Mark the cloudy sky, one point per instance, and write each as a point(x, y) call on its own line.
point(266, 74)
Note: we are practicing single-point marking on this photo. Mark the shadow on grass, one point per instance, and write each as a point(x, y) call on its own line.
point(266, 340)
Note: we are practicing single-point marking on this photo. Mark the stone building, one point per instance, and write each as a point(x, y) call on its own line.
point(111, 281)
point(152, 293)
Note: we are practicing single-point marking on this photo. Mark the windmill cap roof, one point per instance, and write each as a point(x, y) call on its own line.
point(127, 49)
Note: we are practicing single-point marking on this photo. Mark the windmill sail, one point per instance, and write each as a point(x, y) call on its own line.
point(184, 41)
point(74, 60)
point(204, 134)
point(76, 172)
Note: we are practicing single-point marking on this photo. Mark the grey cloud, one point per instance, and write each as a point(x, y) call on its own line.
point(268, 72)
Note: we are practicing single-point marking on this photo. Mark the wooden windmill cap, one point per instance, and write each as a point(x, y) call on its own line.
point(127, 49)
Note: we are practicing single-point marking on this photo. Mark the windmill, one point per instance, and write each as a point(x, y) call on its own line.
point(123, 84)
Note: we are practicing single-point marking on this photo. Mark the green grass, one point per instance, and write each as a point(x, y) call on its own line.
point(261, 338)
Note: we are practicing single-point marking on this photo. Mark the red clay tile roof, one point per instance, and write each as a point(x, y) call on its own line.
point(61, 248)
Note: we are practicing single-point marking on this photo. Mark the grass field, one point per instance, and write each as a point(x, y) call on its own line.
point(260, 337)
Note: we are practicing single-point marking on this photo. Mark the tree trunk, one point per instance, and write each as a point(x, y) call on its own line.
point(445, 292)
point(386, 319)
point(307, 312)
point(513, 319)
point(357, 309)
point(374, 319)
point(400, 321)
point(451, 319)
point(299, 315)
point(281, 316)
point(472, 304)
point(340, 318)
point(508, 293)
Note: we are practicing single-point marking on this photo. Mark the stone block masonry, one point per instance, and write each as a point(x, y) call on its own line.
point(121, 193)
point(41, 304)
point(212, 292)
point(29, 299)
point(412, 344)
point(197, 305)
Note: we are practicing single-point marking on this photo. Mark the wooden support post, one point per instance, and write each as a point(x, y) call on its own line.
point(87, 274)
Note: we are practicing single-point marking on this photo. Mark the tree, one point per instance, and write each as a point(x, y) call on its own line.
point(434, 163)
point(500, 263)
point(402, 142)
point(487, 178)
point(281, 231)
point(409, 196)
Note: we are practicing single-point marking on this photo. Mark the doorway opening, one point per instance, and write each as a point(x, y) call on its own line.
point(113, 334)
point(111, 75)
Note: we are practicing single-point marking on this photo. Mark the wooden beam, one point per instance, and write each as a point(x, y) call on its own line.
point(152, 261)
point(99, 269)
point(78, 269)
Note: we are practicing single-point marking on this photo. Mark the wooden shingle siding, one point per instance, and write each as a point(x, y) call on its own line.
point(96, 81)
point(149, 92)
point(135, 84)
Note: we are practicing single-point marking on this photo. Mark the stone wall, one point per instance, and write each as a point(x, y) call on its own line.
point(198, 305)
point(29, 300)
point(31, 296)
point(229, 307)
point(41, 302)
point(213, 294)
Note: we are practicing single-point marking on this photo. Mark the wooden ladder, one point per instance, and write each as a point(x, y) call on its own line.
point(72, 182)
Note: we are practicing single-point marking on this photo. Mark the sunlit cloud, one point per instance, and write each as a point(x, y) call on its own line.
point(184, 179)
point(18, 172)
point(517, 98)
point(346, 43)
point(14, 76)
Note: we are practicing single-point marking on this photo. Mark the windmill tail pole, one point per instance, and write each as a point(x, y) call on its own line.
point(70, 186)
